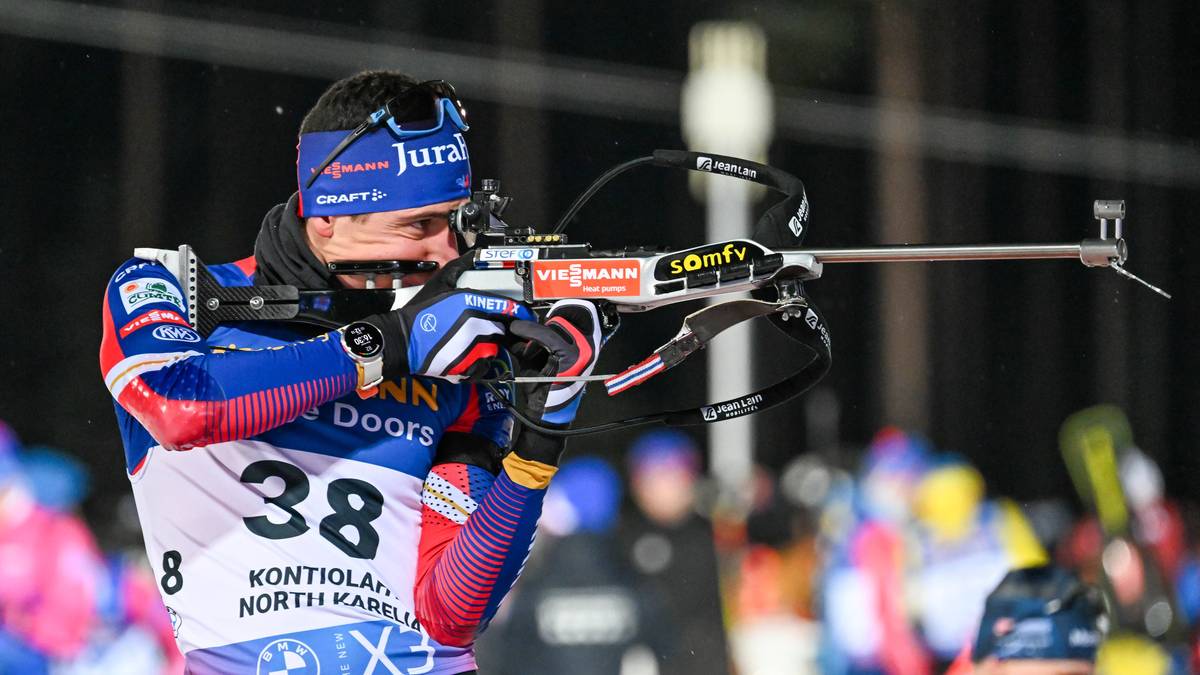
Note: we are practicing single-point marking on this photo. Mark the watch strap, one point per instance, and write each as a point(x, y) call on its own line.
point(369, 368)
point(370, 373)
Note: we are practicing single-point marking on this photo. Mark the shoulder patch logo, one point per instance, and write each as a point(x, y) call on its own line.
point(152, 317)
point(176, 333)
point(143, 291)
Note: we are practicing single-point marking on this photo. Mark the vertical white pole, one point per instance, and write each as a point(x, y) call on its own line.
point(731, 443)
point(727, 109)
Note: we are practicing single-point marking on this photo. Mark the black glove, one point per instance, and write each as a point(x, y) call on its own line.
point(445, 331)
point(568, 343)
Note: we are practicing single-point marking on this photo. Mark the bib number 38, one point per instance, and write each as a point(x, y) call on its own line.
point(355, 504)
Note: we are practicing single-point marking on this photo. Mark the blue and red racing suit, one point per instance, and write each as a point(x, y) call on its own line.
point(294, 526)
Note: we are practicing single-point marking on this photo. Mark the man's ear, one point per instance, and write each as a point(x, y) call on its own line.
point(321, 226)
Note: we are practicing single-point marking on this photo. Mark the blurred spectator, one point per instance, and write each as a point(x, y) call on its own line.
point(911, 551)
point(583, 611)
point(1147, 571)
point(671, 545)
point(965, 546)
point(1157, 523)
point(56, 479)
point(1038, 621)
point(1051, 519)
point(863, 588)
point(134, 635)
point(49, 572)
point(1080, 551)
point(107, 617)
point(772, 631)
point(892, 471)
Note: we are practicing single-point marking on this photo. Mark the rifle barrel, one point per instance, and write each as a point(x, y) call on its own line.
point(1092, 252)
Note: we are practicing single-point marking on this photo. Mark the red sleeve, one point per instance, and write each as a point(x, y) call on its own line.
point(880, 551)
point(476, 532)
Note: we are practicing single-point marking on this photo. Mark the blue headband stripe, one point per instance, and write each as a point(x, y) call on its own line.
point(380, 172)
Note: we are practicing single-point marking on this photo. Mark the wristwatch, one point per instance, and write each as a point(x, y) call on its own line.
point(364, 343)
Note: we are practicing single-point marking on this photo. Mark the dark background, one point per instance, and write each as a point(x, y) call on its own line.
point(118, 133)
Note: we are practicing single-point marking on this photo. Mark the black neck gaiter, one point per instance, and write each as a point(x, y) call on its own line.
point(283, 254)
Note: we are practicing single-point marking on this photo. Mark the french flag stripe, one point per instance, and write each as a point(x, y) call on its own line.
point(634, 375)
point(635, 372)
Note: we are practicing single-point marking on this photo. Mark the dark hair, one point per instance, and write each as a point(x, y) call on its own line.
point(347, 102)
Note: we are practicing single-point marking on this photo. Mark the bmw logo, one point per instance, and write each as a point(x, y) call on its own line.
point(288, 657)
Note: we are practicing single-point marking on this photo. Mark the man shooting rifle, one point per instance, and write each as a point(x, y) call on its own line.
point(315, 499)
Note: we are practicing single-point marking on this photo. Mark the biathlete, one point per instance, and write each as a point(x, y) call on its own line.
point(320, 501)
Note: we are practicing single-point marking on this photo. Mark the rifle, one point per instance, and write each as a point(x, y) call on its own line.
point(522, 264)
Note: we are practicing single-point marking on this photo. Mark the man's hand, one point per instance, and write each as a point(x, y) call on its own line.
point(445, 331)
point(567, 344)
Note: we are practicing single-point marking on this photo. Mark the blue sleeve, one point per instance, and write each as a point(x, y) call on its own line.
point(159, 371)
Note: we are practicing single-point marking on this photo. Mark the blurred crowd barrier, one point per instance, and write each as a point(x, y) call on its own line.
point(643, 569)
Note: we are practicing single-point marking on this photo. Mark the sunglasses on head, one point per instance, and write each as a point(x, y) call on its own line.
point(442, 101)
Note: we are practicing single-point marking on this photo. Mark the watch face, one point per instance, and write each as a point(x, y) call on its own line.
point(363, 340)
